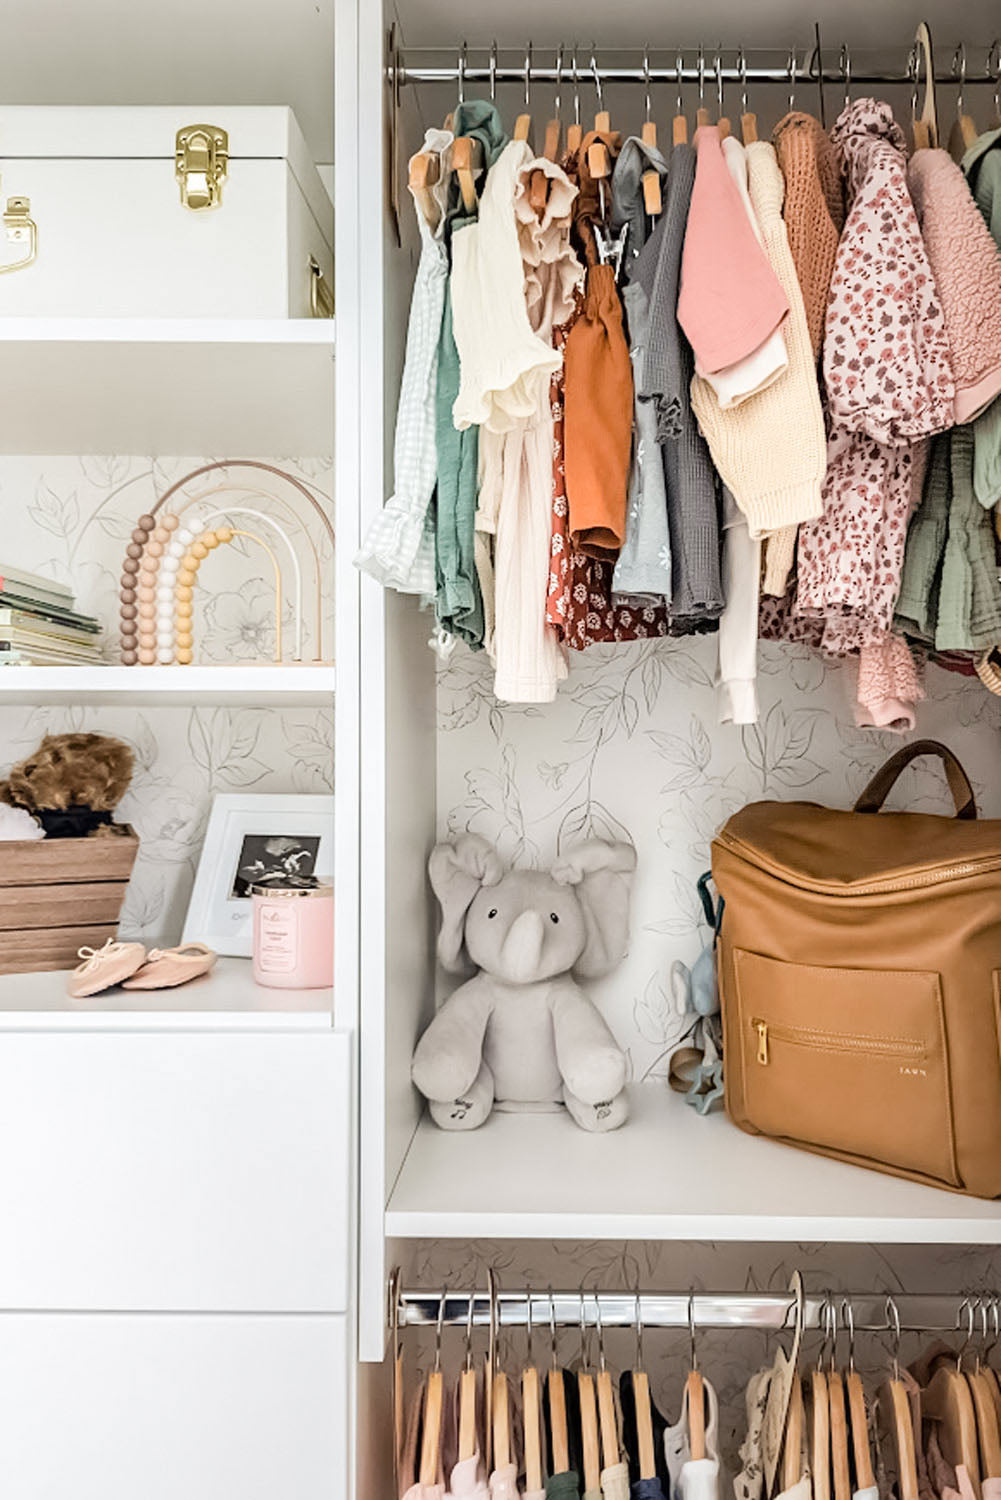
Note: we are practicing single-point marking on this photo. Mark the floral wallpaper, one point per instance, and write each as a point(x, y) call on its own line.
point(74, 517)
point(631, 750)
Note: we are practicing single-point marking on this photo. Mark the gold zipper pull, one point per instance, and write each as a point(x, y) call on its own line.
point(761, 1027)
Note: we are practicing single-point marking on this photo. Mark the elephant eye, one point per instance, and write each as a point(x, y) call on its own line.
point(553, 917)
point(492, 912)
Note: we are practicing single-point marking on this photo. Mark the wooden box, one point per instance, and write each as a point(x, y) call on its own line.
point(58, 895)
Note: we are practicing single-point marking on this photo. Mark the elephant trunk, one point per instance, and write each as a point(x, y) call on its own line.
point(521, 952)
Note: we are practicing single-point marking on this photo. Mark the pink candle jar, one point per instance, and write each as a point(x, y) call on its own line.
point(294, 936)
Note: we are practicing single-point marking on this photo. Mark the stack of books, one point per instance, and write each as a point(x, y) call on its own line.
point(39, 624)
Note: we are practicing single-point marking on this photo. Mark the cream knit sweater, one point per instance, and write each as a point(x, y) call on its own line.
point(771, 451)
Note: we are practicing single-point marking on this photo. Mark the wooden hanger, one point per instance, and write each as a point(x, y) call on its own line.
point(554, 127)
point(982, 1389)
point(423, 175)
point(947, 1400)
point(575, 132)
point(501, 1422)
point(679, 125)
point(608, 1421)
point(652, 198)
point(792, 1449)
point(964, 131)
point(702, 114)
point(820, 1435)
point(895, 1415)
point(587, 1397)
point(857, 1416)
point(641, 1403)
point(925, 125)
point(468, 1393)
point(434, 1403)
point(467, 164)
point(393, 1297)
point(531, 1404)
point(748, 119)
point(840, 1461)
point(556, 1402)
point(723, 124)
point(695, 1392)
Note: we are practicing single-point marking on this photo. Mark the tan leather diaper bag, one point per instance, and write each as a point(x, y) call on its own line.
point(859, 961)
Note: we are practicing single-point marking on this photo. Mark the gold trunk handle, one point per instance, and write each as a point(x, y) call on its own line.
point(321, 296)
point(20, 229)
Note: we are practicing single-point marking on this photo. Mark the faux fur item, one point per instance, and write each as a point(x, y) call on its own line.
point(71, 770)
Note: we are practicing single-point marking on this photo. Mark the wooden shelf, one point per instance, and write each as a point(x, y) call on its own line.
point(246, 687)
point(225, 1000)
point(667, 1175)
point(164, 385)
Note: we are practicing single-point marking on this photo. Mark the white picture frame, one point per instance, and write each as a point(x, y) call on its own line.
point(239, 824)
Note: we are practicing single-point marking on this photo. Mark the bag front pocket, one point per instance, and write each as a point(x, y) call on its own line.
point(852, 1060)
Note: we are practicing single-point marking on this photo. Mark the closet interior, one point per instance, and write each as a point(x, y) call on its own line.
point(630, 745)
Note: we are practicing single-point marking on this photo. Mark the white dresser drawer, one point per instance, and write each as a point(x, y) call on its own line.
point(173, 1408)
point(175, 1171)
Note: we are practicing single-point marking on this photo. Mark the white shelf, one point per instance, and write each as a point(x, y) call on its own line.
point(248, 687)
point(667, 1175)
point(225, 1000)
point(164, 385)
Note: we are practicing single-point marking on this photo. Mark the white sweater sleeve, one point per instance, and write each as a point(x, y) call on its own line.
point(736, 678)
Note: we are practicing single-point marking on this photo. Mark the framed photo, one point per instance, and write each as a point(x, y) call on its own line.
point(254, 839)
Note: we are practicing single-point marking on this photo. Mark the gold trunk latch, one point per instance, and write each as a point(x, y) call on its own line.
point(20, 229)
point(201, 163)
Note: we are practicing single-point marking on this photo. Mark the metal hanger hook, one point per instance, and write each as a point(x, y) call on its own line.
point(639, 1330)
point(576, 88)
point(792, 80)
point(493, 71)
point(995, 1309)
point(913, 69)
point(600, 1327)
point(893, 1326)
point(965, 1306)
point(558, 96)
point(528, 76)
point(439, 1327)
point(529, 1326)
point(845, 65)
point(597, 81)
point(702, 76)
point(993, 69)
point(959, 71)
point(718, 68)
point(848, 1322)
point(693, 1352)
point(494, 1319)
point(552, 1330)
point(742, 70)
point(679, 65)
point(648, 107)
point(585, 1363)
point(467, 1363)
point(830, 1327)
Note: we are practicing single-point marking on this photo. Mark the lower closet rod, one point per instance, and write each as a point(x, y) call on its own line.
point(870, 1312)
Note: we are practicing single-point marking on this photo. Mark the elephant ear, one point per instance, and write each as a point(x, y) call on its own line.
point(457, 870)
point(602, 874)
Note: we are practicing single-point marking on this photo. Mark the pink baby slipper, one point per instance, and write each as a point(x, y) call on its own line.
point(104, 967)
point(167, 967)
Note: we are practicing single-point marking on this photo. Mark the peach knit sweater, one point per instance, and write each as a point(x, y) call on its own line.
point(813, 211)
point(771, 450)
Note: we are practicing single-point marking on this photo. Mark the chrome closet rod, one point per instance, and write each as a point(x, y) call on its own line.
point(870, 1311)
point(540, 73)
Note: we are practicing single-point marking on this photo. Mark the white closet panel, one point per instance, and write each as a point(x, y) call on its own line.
point(178, 1408)
point(171, 1171)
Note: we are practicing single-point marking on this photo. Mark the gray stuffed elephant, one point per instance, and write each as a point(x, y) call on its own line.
point(522, 1035)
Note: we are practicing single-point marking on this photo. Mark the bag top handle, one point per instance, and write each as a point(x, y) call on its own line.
point(878, 789)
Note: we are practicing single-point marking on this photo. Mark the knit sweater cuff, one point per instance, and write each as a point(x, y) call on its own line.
point(737, 701)
point(788, 505)
point(780, 550)
point(886, 713)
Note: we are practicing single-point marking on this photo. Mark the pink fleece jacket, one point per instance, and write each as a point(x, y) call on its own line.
point(730, 298)
point(966, 265)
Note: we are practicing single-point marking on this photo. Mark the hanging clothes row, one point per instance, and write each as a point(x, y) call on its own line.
point(745, 386)
point(812, 1430)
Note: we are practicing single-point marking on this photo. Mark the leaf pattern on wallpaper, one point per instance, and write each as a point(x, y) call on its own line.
point(631, 749)
point(73, 528)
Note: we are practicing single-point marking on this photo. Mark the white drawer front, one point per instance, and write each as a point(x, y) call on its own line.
point(172, 1408)
point(174, 1171)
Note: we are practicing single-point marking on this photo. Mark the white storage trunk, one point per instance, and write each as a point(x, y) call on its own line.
point(114, 238)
